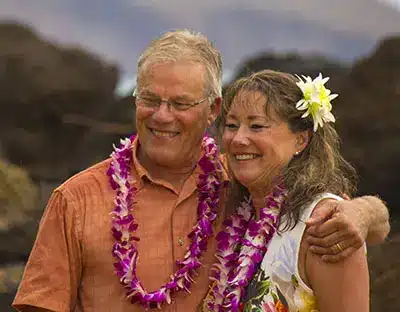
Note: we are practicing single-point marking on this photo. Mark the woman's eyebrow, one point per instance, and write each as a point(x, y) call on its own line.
point(252, 117)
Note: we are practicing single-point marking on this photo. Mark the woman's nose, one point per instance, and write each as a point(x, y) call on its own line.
point(241, 137)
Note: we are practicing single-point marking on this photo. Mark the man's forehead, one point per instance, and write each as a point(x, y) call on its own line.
point(150, 69)
point(183, 78)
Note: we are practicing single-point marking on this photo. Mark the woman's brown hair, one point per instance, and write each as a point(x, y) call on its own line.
point(318, 168)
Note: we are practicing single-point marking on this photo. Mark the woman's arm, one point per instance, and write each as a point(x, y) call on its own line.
point(341, 286)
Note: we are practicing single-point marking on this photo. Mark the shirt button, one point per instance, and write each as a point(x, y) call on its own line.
point(181, 241)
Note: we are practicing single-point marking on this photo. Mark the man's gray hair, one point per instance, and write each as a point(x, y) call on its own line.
point(189, 46)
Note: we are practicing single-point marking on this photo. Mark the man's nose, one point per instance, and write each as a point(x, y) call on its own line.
point(163, 113)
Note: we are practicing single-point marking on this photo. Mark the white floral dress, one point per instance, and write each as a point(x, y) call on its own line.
point(277, 286)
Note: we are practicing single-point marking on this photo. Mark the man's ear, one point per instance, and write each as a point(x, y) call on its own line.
point(215, 110)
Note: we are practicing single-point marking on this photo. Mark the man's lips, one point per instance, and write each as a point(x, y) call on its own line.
point(164, 133)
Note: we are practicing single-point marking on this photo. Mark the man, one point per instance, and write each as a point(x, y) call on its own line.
point(175, 174)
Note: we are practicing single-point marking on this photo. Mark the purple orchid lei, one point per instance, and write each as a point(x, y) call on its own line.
point(124, 224)
point(240, 249)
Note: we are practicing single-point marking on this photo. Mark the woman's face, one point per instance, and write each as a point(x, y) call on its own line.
point(258, 144)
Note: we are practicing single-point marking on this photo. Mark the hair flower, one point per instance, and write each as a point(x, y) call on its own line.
point(316, 100)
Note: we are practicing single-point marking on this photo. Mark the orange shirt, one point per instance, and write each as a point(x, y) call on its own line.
point(70, 267)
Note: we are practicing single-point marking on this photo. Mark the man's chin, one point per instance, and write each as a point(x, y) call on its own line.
point(166, 160)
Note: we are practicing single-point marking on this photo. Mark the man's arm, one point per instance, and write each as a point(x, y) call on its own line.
point(376, 214)
point(339, 228)
point(27, 308)
point(51, 277)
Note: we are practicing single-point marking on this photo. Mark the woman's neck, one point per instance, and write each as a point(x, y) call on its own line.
point(258, 198)
point(263, 186)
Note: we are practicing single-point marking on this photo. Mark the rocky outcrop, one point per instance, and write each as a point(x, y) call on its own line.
point(368, 110)
point(19, 218)
point(19, 213)
point(310, 65)
point(44, 90)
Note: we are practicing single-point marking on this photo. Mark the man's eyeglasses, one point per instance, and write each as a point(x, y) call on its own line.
point(155, 102)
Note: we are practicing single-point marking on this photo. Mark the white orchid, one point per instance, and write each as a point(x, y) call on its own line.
point(316, 100)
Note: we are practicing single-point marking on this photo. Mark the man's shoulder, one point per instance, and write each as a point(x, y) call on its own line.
point(95, 175)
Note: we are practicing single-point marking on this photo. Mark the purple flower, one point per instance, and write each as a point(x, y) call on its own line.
point(124, 224)
point(222, 236)
point(117, 234)
point(236, 268)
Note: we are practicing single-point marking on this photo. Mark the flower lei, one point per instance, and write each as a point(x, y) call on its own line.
point(124, 224)
point(316, 100)
point(241, 247)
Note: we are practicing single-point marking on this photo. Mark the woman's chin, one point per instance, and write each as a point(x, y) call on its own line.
point(245, 180)
point(256, 182)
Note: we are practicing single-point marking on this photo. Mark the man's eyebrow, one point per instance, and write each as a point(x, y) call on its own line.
point(148, 92)
point(183, 97)
point(177, 97)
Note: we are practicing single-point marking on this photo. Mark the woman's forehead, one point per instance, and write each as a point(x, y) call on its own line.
point(249, 101)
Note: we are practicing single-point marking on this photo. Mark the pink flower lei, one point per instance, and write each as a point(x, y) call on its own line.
point(124, 224)
point(241, 247)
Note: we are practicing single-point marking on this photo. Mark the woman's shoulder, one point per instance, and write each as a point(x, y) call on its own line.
point(316, 203)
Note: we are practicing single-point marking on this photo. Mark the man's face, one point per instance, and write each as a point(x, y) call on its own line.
point(170, 137)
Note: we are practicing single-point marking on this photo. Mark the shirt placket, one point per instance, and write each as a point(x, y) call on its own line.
point(184, 217)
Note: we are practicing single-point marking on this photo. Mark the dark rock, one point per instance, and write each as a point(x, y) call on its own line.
point(19, 213)
point(368, 112)
point(44, 88)
point(310, 65)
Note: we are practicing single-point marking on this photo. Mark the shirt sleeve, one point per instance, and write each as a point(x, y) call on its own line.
point(52, 273)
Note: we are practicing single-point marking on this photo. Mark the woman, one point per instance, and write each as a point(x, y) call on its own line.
point(283, 153)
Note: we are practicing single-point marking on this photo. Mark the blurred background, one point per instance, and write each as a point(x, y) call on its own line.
point(68, 68)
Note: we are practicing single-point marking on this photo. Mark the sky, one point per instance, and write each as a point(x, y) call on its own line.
point(119, 30)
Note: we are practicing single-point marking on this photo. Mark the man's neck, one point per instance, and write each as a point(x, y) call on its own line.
point(176, 175)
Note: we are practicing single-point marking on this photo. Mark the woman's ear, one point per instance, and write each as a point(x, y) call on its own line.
point(302, 140)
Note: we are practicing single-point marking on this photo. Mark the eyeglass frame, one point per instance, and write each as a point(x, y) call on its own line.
point(171, 104)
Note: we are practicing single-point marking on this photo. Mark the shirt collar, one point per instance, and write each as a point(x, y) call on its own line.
point(139, 172)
